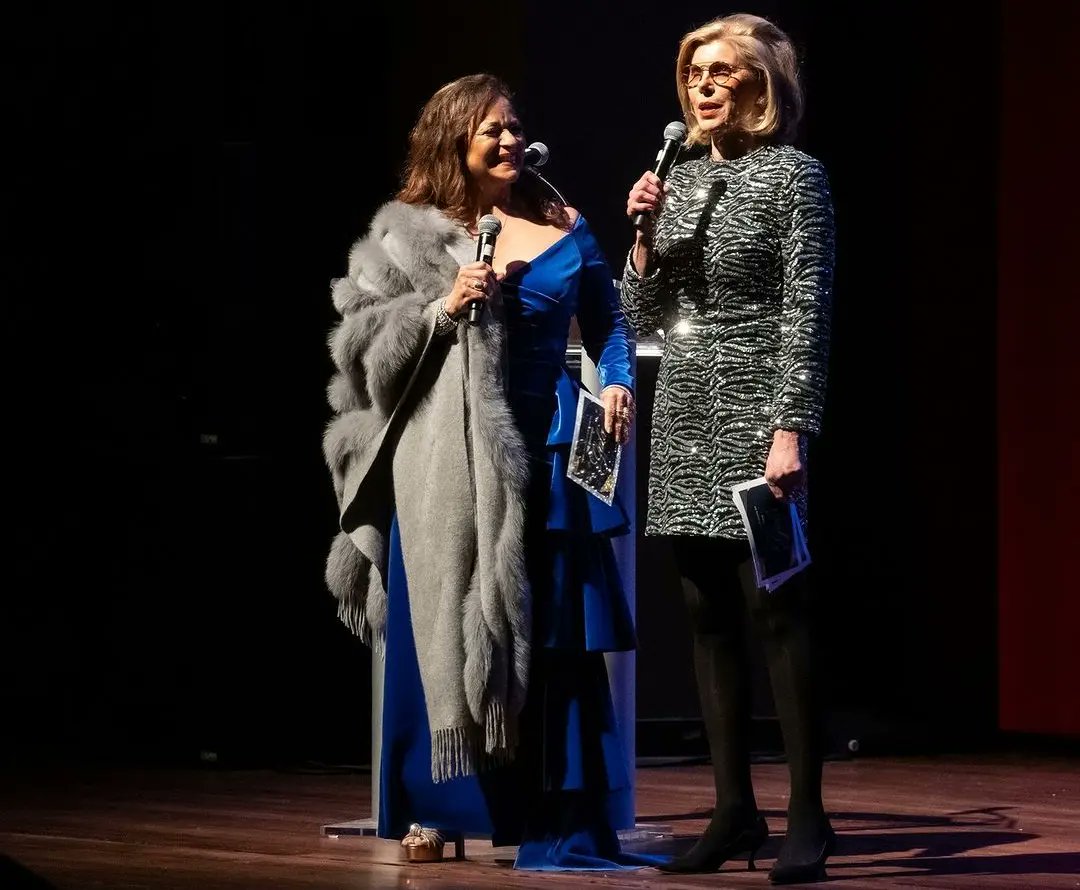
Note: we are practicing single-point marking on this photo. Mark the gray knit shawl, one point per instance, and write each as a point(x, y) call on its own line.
point(422, 426)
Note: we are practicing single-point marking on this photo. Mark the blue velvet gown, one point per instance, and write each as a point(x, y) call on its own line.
point(567, 789)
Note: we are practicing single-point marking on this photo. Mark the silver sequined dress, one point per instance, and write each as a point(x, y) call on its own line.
point(742, 291)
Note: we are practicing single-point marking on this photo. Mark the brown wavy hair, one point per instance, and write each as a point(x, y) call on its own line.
point(435, 171)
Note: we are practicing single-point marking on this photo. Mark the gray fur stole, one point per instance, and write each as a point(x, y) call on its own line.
point(422, 427)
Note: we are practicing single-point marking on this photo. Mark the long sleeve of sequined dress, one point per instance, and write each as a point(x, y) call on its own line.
point(807, 253)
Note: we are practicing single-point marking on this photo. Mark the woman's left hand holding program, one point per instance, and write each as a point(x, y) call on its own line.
point(784, 469)
point(618, 412)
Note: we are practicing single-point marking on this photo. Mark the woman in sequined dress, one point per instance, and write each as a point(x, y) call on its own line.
point(735, 267)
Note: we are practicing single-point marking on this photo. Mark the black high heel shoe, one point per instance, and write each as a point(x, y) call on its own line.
point(804, 872)
point(710, 853)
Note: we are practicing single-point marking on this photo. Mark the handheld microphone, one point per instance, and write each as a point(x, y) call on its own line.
point(674, 136)
point(536, 155)
point(489, 228)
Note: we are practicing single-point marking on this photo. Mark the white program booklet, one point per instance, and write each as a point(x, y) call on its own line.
point(595, 455)
point(776, 537)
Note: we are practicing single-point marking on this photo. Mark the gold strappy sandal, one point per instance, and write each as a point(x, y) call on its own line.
point(426, 844)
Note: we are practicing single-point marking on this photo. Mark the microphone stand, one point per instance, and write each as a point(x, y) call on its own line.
point(552, 188)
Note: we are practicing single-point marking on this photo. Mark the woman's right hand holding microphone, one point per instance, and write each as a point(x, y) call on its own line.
point(475, 282)
point(646, 196)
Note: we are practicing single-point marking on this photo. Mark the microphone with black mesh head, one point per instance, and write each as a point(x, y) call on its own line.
point(674, 137)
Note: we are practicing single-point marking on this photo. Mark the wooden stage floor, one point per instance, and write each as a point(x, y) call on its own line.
point(976, 822)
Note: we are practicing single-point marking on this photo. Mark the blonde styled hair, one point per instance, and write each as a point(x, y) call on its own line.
point(769, 52)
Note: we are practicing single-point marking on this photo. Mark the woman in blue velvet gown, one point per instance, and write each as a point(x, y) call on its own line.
point(567, 790)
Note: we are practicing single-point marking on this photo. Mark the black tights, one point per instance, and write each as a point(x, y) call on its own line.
point(718, 584)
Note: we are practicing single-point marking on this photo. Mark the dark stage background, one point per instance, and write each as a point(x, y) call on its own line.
point(186, 184)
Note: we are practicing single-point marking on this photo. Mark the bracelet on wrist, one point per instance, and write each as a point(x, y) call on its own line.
point(445, 323)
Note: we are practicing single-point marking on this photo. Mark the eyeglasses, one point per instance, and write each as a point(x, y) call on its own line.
point(717, 71)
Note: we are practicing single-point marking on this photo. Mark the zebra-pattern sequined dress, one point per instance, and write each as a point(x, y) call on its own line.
point(742, 290)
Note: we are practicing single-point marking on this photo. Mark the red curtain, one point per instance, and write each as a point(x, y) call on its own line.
point(1038, 370)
